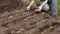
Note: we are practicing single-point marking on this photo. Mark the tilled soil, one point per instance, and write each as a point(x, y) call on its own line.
point(14, 19)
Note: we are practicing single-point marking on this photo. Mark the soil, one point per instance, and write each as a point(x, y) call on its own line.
point(14, 19)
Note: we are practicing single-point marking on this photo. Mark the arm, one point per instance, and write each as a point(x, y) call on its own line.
point(41, 6)
point(31, 3)
point(28, 8)
point(43, 3)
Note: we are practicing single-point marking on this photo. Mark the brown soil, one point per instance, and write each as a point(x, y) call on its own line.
point(14, 19)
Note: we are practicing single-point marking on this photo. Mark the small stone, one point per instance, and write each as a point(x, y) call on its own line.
point(43, 13)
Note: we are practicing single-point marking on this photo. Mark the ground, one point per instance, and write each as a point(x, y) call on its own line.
point(36, 1)
point(14, 19)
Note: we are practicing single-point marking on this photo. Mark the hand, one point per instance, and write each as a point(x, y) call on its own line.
point(39, 9)
point(28, 8)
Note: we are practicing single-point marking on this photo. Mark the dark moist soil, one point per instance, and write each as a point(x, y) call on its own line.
point(14, 19)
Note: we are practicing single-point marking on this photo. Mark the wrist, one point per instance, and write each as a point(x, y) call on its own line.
point(40, 7)
point(28, 6)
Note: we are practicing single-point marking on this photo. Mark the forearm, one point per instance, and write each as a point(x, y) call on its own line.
point(31, 3)
point(43, 3)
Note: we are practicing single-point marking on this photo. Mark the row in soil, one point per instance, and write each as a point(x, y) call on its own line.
point(16, 20)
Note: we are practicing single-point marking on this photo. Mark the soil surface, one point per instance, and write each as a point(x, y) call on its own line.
point(14, 19)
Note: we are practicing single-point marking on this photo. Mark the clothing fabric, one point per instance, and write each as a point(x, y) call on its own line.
point(53, 6)
point(49, 1)
point(45, 7)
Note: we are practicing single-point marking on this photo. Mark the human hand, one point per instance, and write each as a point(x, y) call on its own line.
point(28, 8)
point(39, 9)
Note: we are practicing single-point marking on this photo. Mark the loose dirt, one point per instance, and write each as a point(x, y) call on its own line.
point(14, 19)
